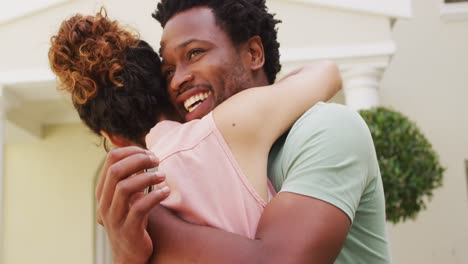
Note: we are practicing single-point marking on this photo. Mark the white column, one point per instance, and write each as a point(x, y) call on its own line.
point(361, 86)
point(102, 247)
point(103, 251)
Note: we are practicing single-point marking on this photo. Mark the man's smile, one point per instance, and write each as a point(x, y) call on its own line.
point(195, 100)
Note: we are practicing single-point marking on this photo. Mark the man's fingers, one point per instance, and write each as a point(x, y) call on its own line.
point(113, 157)
point(126, 190)
point(121, 170)
point(141, 209)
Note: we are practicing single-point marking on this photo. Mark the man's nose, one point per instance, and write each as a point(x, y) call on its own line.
point(182, 77)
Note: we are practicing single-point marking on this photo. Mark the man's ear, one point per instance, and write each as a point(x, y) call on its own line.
point(117, 141)
point(255, 53)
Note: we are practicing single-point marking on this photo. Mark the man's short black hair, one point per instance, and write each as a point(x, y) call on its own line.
point(240, 19)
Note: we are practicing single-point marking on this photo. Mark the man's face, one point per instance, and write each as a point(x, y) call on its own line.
point(200, 63)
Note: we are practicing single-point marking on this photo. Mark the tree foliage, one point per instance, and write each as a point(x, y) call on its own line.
point(409, 166)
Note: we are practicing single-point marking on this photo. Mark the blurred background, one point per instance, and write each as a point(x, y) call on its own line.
point(410, 56)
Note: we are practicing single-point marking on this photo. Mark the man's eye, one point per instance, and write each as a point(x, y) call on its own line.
point(194, 53)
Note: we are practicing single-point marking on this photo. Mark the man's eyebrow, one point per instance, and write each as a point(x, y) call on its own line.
point(188, 42)
point(182, 45)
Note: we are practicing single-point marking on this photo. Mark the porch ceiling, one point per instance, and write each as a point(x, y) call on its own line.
point(29, 106)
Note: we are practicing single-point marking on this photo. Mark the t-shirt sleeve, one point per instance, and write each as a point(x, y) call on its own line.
point(326, 156)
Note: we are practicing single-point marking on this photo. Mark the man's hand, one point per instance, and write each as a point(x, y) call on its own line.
point(123, 208)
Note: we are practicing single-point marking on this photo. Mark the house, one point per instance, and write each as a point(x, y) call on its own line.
point(411, 56)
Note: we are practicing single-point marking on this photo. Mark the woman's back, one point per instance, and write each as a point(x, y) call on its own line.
point(208, 186)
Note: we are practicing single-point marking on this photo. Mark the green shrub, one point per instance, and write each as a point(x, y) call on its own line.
point(409, 166)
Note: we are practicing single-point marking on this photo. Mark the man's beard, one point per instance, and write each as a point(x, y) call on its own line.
point(237, 81)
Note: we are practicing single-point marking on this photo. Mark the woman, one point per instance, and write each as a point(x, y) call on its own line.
point(216, 166)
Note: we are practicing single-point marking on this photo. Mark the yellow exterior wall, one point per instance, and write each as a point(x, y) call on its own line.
point(48, 197)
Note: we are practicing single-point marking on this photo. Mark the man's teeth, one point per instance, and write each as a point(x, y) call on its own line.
point(192, 108)
point(193, 102)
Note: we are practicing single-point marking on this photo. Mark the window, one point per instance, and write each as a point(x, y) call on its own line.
point(454, 10)
point(455, 1)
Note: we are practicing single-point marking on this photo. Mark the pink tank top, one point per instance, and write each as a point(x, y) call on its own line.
point(207, 185)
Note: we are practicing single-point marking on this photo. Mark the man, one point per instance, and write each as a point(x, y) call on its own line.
point(330, 205)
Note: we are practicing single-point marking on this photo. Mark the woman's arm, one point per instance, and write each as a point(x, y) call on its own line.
point(258, 116)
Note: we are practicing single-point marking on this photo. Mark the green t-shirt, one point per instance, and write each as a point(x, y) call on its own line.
point(328, 154)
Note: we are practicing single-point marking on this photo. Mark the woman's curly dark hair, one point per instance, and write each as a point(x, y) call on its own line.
point(113, 77)
point(240, 19)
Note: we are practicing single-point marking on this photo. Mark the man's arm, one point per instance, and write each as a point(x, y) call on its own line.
point(293, 229)
point(325, 164)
